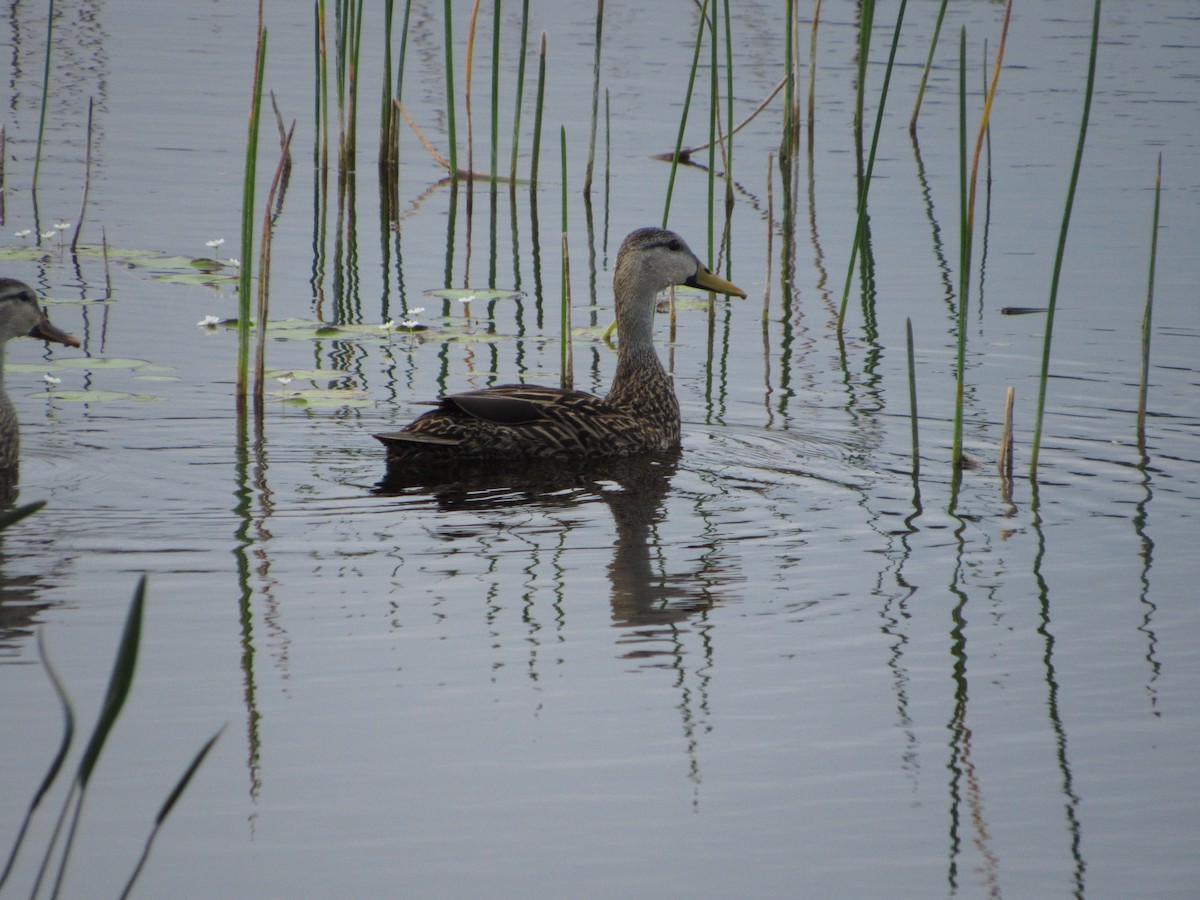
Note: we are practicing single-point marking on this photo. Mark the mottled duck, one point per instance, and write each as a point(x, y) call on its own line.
point(640, 413)
point(20, 316)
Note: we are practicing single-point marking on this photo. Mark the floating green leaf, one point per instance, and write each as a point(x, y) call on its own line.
point(468, 295)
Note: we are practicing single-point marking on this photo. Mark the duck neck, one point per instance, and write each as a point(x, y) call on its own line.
point(640, 383)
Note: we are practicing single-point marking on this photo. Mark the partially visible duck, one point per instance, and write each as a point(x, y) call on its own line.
point(20, 316)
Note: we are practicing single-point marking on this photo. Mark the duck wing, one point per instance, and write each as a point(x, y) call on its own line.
point(514, 421)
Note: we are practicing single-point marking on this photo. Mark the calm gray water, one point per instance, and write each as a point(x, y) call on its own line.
point(777, 666)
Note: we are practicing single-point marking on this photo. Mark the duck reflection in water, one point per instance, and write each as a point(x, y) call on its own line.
point(642, 595)
point(20, 316)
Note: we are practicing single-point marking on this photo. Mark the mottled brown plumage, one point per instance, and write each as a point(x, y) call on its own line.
point(20, 316)
point(640, 413)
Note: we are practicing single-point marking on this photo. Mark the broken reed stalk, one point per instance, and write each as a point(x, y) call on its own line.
point(1004, 461)
point(1146, 315)
point(447, 15)
point(567, 358)
point(247, 245)
point(937, 30)
point(537, 114)
point(587, 178)
point(512, 168)
point(264, 266)
point(687, 102)
point(87, 179)
point(1062, 243)
point(860, 224)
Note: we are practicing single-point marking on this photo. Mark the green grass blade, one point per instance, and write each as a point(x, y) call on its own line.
point(119, 683)
point(64, 746)
point(168, 805)
point(16, 514)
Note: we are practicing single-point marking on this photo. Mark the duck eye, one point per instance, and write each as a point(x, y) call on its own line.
point(674, 245)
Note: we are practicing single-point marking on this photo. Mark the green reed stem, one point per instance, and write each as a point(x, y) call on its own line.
point(537, 114)
point(687, 102)
point(1146, 315)
point(812, 71)
point(714, 108)
point(512, 168)
point(861, 222)
point(495, 158)
point(87, 180)
point(789, 74)
point(1062, 242)
point(400, 81)
point(937, 30)
point(964, 252)
point(587, 178)
point(447, 15)
point(912, 397)
point(387, 115)
point(247, 246)
point(264, 267)
point(566, 360)
point(37, 157)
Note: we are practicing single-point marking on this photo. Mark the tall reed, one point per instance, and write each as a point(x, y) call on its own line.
point(41, 133)
point(587, 178)
point(447, 16)
point(536, 153)
point(937, 30)
point(247, 243)
point(566, 360)
point(687, 102)
point(1062, 242)
point(520, 92)
point(868, 13)
point(1143, 386)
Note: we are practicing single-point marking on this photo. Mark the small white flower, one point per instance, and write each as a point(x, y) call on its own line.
point(24, 232)
point(209, 321)
point(415, 311)
point(466, 299)
point(214, 243)
point(62, 226)
point(284, 379)
point(409, 323)
point(47, 234)
point(50, 379)
point(235, 263)
point(388, 325)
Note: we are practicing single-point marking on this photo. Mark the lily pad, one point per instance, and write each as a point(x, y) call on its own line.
point(88, 362)
point(91, 396)
point(318, 397)
point(308, 374)
point(471, 295)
